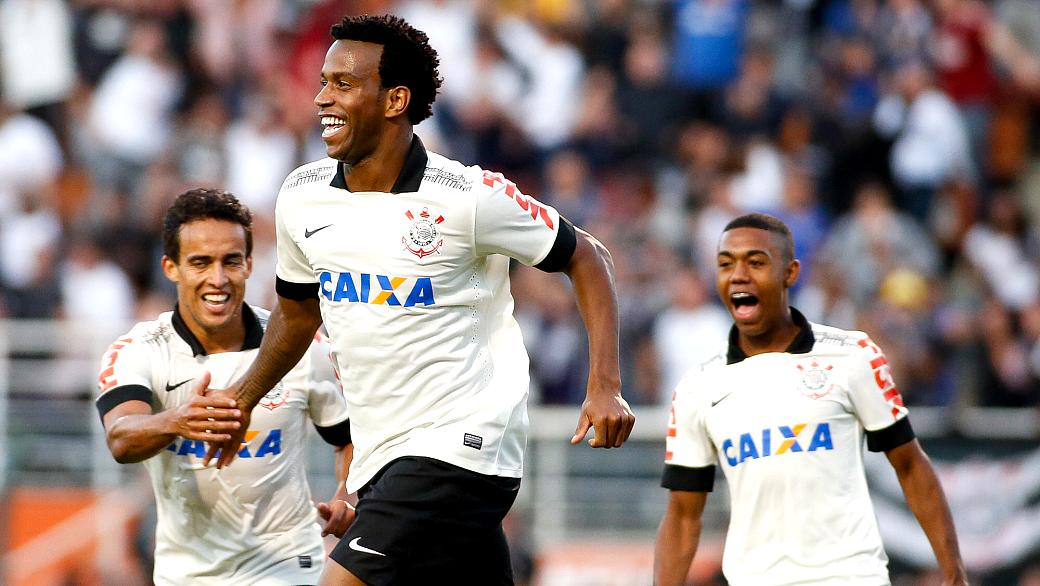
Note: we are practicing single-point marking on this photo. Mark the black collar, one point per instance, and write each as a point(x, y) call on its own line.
point(411, 174)
point(802, 343)
point(254, 332)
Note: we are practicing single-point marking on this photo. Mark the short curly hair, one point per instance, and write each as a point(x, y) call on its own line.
point(203, 204)
point(408, 59)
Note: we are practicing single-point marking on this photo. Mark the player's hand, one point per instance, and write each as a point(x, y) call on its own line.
point(226, 450)
point(609, 415)
point(338, 514)
point(206, 418)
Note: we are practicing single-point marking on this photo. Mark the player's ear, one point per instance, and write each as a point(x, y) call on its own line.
point(791, 276)
point(169, 268)
point(397, 100)
point(249, 265)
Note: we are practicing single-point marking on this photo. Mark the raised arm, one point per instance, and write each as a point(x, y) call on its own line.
point(591, 270)
point(925, 497)
point(677, 537)
point(134, 433)
point(289, 333)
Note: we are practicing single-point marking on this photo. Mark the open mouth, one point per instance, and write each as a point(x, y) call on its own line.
point(744, 304)
point(332, 125)
point(216, 301)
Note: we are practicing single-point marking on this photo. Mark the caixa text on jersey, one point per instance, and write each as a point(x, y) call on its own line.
point(376, 289)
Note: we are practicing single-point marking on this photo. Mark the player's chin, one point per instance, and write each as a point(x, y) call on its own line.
point(336, 148)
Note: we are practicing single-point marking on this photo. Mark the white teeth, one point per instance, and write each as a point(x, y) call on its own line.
point(332, 121)
point(216, 298)
point(740, 295)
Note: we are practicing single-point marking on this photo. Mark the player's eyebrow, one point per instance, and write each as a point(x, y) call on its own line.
point(745, 254)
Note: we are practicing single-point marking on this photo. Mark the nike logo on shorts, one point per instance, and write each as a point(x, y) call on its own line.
point(170, 387)
point(308, 233)
point(356, 546)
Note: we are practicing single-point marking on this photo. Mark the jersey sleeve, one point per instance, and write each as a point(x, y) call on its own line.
point(325, 401)
point(690, 457)
point(125, 375)
point(510, 223)
point(295, 278)
point(876, 399)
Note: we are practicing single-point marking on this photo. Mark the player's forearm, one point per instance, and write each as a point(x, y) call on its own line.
point(677, 540)
point(344, 455)
point(591, 270)
point(289, 333)
point(134, 438)
point(926, 499)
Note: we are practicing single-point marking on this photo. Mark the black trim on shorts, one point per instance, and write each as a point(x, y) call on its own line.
point(119, 395)
point(337, 434)
point(891, 437)
point(424, 521)
point(562, 249)
point(295, 291)
point(701, 479)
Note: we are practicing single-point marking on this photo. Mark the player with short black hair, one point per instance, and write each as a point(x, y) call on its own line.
point(404, 255)
point(254, 523)
point(785, 409)
point(407, 60)
point(203, 204)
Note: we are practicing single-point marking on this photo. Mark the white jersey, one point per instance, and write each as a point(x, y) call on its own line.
point(414, 291)
point(788, 429)
point(252, 522)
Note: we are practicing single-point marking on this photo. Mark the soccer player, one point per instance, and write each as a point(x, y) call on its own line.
point(784, 409)
point(253, 523)
point(404, 254)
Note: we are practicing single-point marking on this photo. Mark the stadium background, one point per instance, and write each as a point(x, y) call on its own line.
point(896, 137)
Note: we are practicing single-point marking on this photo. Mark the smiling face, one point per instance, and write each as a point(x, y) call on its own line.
point(210, 275)
point(752, 277)
point(351, 103)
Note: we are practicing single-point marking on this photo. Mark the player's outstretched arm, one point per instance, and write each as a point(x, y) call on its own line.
point(134, 433)
point(591, 270)
point(289, 333)
point(338, 512)
point(925, 497)
point(677, 537)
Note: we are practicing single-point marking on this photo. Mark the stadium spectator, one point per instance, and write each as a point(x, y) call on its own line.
point(435, 360)
point(874, 239)
point(688, 331)
point(30, 156)
point(253, 523)
point(777, 369)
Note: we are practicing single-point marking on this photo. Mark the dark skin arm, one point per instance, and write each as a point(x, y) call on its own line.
point(289, 333)
point(925, 497)
point(677, 537)
point(135, 434)
point(591, 270)
point(338, 512)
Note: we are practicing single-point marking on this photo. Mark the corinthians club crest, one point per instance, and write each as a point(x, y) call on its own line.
point(423, 238)
point(816, 381)
point(275, 398)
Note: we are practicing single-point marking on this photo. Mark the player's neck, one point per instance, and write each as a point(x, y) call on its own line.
point(228, 338)
point(776, 338)
point(380, 169)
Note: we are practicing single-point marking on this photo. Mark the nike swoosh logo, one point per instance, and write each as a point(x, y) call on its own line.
point(308, 233)
point(713, 403)
point(170, 387)
point(354, 545)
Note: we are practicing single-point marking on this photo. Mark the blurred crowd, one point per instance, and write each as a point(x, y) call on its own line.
point(895, 137)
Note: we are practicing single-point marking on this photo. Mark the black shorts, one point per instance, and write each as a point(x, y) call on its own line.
point(423, 521)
